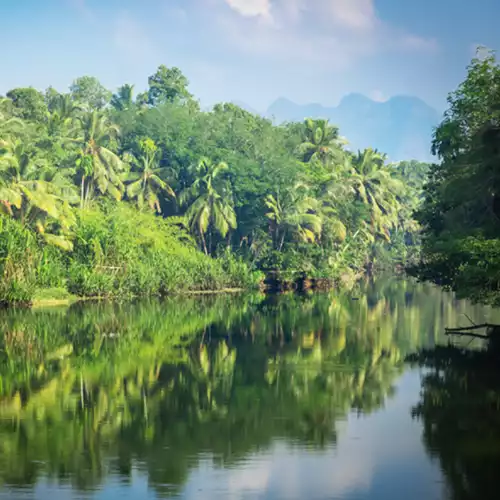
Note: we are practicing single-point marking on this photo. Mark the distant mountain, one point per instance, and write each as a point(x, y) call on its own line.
point(401, 127)
point(246, 107)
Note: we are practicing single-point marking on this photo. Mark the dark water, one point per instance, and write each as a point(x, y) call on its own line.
point(247, 397)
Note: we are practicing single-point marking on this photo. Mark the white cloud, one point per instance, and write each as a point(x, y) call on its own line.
point(333, 32)
point(354, 13)
point(251, 8)
point(418, 43)
point(350, 13)
point(294, 9)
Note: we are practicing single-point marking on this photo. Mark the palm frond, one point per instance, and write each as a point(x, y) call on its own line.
point(59, 241)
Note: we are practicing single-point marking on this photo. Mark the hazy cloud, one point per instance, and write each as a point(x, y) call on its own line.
point(336, 32)
point(251, 8)
point(353, 13)
point(418, 43)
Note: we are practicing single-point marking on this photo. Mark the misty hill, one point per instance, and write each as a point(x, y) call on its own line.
point(401, 127)
point(246, 107)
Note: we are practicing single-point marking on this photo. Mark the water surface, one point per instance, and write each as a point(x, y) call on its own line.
point(283, 397)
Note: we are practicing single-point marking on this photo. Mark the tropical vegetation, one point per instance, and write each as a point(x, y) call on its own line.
point(460, 215)
point(106, 194)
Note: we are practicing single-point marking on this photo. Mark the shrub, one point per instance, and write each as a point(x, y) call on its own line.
point(118, 251)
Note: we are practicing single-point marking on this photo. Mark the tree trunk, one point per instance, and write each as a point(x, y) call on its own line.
point(204, 242)
point(87, 194)
point(282, 241)
point(82, 192)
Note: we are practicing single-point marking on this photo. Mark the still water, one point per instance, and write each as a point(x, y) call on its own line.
point(257, 397)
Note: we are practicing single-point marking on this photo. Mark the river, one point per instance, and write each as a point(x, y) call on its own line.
point(246, 397)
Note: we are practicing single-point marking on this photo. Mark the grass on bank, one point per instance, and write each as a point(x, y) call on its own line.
point(117, 252)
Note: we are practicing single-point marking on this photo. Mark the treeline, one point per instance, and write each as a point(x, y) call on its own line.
point(461, 212)
point(110, 194)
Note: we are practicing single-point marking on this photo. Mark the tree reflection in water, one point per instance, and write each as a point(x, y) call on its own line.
point(460, 411)
point(100, 389)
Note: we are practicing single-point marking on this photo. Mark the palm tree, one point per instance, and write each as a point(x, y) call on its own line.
point(334, 230)
point(376, 187)
point(335, 191)
point(321, 141)
point(146, 183)
point(99, 166)
point(35, 193)
point(294, 212)
point(61, 115)
point(124, 98)
point(413, 175)
point(210, 206)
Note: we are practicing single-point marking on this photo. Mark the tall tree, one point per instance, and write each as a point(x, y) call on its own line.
point(209, 204)
point(377, 189)
point(30, 192)
point(461, 211)
point(124, 98)
point(90, 93)
point(28, 104)
point(167, 85)
point(99, 166)
point(61, 115)
point(145, 180)
point(321, 141)
point(294, 213)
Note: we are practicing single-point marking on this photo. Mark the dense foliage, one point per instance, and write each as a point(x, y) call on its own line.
point(461, 213)
point(103, 193)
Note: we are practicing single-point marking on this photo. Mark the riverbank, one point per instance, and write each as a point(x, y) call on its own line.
point(61, 297)
point(57, 301)
point(117, 253)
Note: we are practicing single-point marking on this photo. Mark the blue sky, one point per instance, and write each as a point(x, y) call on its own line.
point(250, 50)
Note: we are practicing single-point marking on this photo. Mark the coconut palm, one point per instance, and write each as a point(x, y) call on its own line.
point(61, 115)
point(334, 230)
point(99, 166)
point(378, 189)
point(146, 184)
point(210, 206)
point(124, 98)
point(33, 192)
point(294, 213)
point(322, 141)
point(334, 191)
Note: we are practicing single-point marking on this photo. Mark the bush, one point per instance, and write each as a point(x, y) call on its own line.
point(118, 252)
point(20, 256)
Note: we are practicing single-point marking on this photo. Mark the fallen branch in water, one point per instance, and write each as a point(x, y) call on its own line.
point(475, 327)
point(468, 334)
point(465, 331)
